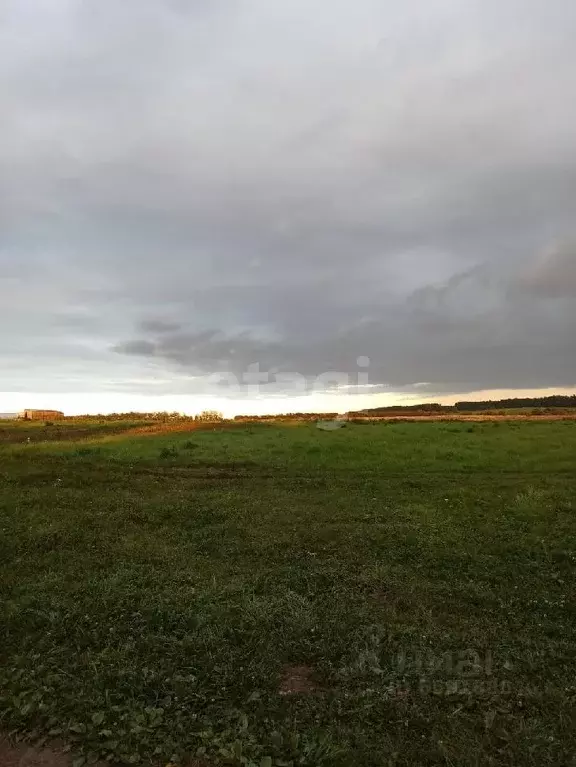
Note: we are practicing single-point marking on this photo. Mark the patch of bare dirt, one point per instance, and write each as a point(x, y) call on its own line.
point(24, 435)
point(173, 428)
point(25, 755)
point(297, 680)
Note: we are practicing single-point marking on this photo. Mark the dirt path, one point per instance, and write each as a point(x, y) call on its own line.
point(24, 755)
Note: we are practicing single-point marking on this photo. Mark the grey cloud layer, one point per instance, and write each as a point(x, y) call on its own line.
point(188, 188)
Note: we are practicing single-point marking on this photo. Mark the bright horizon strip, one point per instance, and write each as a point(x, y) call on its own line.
point(95, 403)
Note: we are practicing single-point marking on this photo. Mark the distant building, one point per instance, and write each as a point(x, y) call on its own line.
point(41, 415)
point(8, 416)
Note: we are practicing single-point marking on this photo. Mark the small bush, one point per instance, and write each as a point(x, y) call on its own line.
point(86, 452)
point(169, 452)
point(189, 445)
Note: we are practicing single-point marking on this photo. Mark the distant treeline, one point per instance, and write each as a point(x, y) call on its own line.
point(555, 400)
point(515, 403)
point(289, 417)
point(207, 416)
point(427, 408)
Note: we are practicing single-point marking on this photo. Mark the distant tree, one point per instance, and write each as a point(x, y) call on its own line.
point(209, 416)
point(555, 400)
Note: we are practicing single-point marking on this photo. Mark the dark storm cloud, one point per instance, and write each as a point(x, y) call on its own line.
point(192, 188)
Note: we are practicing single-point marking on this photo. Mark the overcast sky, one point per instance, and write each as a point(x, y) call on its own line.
point(193, 187)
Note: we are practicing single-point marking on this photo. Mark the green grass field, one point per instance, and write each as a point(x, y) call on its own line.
point(390, 594)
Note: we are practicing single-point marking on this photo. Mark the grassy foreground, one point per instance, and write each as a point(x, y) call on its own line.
point(390, 594)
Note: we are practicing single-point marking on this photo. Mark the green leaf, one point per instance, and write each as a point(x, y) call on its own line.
point(489, 719)
point(266, 761)
point(98, 718)
point(111, 745)
point(256, 695)
point(79, 762)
